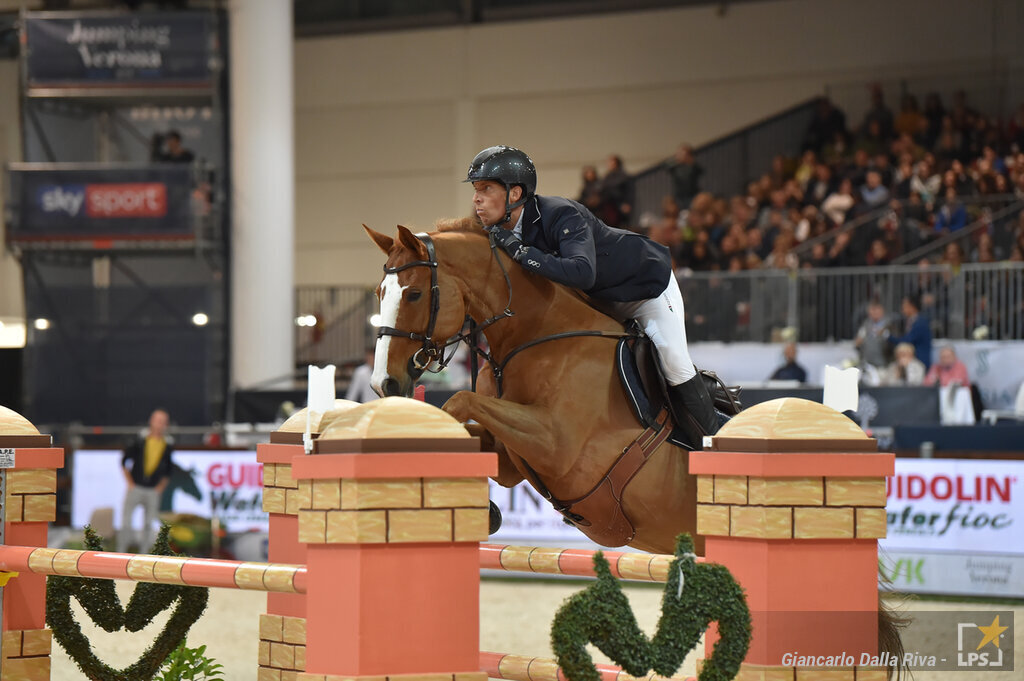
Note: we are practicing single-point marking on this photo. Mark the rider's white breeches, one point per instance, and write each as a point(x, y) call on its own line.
point(663, 321)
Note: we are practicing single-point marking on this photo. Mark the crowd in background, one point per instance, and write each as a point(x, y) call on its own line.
point(861, 195)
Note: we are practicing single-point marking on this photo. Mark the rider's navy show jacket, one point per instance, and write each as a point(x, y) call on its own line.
point(569, 244)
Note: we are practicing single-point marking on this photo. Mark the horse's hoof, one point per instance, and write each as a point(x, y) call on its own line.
point(495, 523)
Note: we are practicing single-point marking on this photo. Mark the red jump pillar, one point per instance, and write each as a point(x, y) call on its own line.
point(282, 650)
point(398, 508)
point(791, 498)
point(28, 478)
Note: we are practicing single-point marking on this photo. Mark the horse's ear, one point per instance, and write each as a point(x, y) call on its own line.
point(383, 242)
point(410, 241)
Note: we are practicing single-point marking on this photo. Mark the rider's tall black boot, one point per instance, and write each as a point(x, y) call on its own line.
point(693, 410)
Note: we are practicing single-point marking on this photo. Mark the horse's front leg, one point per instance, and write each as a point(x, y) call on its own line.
point(508, 475)
point(522, 428)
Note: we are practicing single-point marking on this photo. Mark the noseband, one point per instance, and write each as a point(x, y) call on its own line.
point(429, 351)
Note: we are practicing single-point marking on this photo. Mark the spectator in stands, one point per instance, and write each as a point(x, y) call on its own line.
point(146, 477)
point(950, 143)
point(952, 215)
point(820, 185)
point(948, 370)
point(838, 204)
point(614, 193)
point(926, 181)
point(791, 369)
point(872, 339)
point(872, 140)
point(359, 386)
point(169, 149)
point(934, 112)
point(986, 250)
point(878, 113)
point(917, 330)
point(590, 193)
point(874, 192)
point(781, 256)
point(911, 121)
point(828, 122)
point(905, 369)
point(685, 173)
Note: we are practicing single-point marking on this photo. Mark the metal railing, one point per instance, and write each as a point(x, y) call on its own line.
point(972, 301)
point(996, 216)
point(994, 212)
point(730, 161)
point(342, 331)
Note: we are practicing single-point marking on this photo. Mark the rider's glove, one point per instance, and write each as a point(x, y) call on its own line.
point(507, 241)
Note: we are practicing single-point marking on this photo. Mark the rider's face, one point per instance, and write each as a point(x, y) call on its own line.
point(489, 201)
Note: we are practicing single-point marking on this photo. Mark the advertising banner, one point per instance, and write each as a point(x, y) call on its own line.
point(119, 50)
point(956, 527)
point(227, 484)
point(69, 204)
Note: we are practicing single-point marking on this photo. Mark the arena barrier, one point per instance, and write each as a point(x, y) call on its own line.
point(375, 556)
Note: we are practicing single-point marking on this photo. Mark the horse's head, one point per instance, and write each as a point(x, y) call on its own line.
point(420, 308)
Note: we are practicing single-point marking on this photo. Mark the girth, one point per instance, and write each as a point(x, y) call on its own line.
point(600, 510)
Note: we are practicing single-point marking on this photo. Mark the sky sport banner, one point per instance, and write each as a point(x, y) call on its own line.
point(118, 50)
point(956, 527)
point(146, 202)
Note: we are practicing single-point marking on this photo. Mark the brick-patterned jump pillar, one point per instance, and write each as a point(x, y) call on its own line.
point(791, 498)
point(283, 629)
point(28, 504)
point(398, 508)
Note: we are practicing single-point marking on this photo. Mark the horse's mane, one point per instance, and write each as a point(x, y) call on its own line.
point(470, 223)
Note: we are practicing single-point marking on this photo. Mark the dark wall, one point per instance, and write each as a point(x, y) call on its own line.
point(10, 378)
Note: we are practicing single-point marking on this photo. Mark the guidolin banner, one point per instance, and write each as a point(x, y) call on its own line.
point(118, 50)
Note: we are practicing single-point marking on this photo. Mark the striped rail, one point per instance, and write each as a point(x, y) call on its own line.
point(647, 567)
point(523, 668)
point(160, 569)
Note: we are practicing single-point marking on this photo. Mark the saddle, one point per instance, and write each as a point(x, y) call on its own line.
point(636, 359)
point(600, 509)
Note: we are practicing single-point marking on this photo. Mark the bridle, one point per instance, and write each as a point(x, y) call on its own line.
point(431, 354)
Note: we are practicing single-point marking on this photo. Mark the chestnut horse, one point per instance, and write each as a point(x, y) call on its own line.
point(563, 411)
point(563, 415)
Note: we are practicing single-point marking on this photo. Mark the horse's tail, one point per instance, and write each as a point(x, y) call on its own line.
point(890, 622)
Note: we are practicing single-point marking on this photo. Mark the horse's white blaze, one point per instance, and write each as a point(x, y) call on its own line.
point(390, 299)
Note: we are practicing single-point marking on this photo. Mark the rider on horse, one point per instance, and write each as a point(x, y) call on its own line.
point(625, 275)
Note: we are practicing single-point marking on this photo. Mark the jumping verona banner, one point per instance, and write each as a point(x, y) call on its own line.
point(119, 50)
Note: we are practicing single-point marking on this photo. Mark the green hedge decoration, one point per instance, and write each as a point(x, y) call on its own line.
point(695, 595)
point(100, 601)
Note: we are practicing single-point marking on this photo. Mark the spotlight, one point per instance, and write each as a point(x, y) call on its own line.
point(200, 319)
point(42, 324)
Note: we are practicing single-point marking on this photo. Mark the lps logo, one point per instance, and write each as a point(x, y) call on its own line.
point(66, 198)
point(971, 654)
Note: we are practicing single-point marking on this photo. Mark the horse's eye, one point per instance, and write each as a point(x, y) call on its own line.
point(413, 294)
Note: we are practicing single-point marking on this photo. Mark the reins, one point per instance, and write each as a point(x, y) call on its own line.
point(433, 353)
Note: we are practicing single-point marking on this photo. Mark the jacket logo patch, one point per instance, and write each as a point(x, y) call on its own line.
point(533, 263)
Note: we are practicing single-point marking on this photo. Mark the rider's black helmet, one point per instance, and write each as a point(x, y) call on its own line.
point(507, 165)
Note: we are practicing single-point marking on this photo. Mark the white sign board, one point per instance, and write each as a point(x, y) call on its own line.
point(956, 526)
point(228, 484)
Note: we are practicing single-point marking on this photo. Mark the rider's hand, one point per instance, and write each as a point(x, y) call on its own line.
point(508, 242)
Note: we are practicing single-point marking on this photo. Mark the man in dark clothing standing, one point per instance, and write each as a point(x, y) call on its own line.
point(626, 275)
point(148, 475)
point(686, 174)
point(918, 330)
